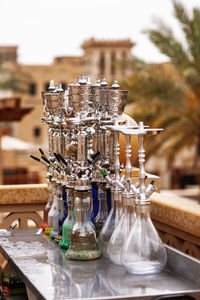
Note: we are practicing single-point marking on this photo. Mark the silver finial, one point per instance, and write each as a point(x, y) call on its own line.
point(51, 85)
point(59, 88)
point(82, 80)
point(104, 82)
point(88, 81)
point(115, 84)
point(98, 83)
point(77, 83)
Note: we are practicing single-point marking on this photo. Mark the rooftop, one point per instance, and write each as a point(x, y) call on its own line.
point(92, 42)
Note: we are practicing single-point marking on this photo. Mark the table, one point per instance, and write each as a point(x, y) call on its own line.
point(49, 275)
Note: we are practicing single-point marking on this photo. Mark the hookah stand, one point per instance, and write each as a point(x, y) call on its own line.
point(83, 237)
point(143, 251)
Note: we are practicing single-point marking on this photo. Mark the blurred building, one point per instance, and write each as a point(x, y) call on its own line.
point(99, 58)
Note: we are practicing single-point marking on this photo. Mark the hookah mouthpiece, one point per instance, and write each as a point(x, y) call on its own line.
point(57, 157)
point(45, 159)
point(41, 151)
point(62, 159)
point(34, 157)
point(94, 158)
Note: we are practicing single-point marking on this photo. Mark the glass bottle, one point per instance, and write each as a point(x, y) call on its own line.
point(103, 211)
point(122, 230)
point(110, 223)
point(95, 202)
point(83, 238)
point(64, 210)
point(109, 198)
point(69, 221)
point(49, 228)
point(143, 251)
point(63, 216)
point(49, 202)
point(57, 212)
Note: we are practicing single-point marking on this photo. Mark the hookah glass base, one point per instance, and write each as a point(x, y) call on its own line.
point(82, 252)
point(83, 238)
point(143, 251)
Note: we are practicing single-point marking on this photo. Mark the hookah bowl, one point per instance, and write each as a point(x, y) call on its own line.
point(83, 238)
point(79, 100)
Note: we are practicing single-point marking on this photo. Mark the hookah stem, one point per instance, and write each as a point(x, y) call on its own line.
point(128, 167)
point(50, 140)
point(116, 153)
point(142, 188)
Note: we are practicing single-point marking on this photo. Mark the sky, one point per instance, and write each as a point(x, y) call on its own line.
point(43, 29)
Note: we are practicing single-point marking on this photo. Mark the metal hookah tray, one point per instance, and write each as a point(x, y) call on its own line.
point(49, 275)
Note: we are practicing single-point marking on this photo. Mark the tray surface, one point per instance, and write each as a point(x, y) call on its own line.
point(50, 275)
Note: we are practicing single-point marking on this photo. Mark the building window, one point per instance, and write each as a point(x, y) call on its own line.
point(64, 85)
point(113, 61)
point(37, 131)
point(46, 86)
point(124, 54)
point(32, 89)
point(102, 64)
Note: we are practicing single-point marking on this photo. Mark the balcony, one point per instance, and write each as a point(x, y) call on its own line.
point(177, 219)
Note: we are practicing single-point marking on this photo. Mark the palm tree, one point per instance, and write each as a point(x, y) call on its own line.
point(168, 95)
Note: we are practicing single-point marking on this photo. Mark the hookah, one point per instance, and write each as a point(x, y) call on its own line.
point(143, 252)
point(116, 184)
point(122, 229)
point(112, 102)
point(54, 102)
point(100, 210)
point(83, 238)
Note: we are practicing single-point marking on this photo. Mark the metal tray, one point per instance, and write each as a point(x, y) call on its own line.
point(43, 267)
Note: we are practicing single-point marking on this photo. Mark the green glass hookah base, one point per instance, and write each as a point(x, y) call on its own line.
point(64, 244)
